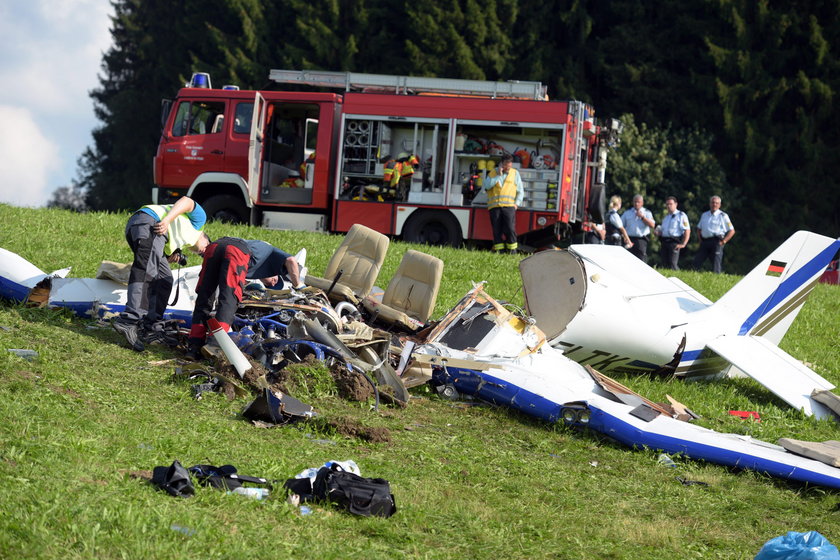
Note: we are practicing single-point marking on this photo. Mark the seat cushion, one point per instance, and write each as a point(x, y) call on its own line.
point(340, 292)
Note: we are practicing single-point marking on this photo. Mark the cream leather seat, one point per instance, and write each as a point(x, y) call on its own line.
point(411, 295)
point(359, 258)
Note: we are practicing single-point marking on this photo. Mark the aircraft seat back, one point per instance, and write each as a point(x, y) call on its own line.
point(359, 257)
point(414, 287)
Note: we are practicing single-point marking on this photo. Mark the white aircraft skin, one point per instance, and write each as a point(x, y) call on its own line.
point(99, 297)
point(89, 297)
point(602, 306)
point(482, 350)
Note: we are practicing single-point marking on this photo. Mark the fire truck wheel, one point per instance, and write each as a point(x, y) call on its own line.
point(433, 227)
point(226, 208)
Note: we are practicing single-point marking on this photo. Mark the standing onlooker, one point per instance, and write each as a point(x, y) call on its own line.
point(594, 234)
point(673, 235)
point(615, 232)
point(714, 230)
point(505, 192)
point(638, 221)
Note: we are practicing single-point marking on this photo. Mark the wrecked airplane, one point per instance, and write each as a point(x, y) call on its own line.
point(604, 307)
point(482, 349)
point(102, 297)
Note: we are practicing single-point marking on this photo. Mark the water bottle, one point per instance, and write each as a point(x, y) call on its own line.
point(255, 493)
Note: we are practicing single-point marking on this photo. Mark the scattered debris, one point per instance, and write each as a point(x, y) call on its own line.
point(28, 355)
point(746, 414)
point(666, 461)
point(349, 491)
point(827, 452)
point(686, 482)
point(182, 529)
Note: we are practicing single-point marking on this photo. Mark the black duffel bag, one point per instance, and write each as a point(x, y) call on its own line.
point(356, 494)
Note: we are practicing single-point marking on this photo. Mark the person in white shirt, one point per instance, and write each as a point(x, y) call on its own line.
point(714, 231)
point(616, 234)
point(638, 222)
point(673, 235)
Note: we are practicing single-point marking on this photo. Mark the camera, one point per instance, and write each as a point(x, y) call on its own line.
point(181, 258)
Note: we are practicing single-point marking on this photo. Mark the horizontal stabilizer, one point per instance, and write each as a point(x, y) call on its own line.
point(777, 370)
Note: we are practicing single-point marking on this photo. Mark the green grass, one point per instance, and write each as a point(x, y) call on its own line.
point(79, 421)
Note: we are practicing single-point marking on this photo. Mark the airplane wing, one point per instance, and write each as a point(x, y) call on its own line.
point(774, 368)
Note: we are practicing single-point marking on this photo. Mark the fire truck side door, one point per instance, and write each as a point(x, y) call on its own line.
point(196, 143)
point(255, 146)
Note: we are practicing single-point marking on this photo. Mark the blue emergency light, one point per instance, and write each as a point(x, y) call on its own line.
point(200, 80)
point(230, 88)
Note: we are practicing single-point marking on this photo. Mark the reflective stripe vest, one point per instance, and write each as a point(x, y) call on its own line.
point(396, 170)
point(504, 193)
point(181, 231)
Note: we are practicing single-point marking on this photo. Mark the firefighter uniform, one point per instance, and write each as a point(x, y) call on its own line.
point(505, 192)
point(397, 175)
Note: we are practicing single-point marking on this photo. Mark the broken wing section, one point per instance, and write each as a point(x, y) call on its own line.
point(18, 276)
point(777, 370)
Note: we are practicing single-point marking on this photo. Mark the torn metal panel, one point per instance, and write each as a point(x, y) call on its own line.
point(827, 398)
point(481, 325)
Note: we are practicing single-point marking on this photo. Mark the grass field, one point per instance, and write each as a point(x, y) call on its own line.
point(81, 424)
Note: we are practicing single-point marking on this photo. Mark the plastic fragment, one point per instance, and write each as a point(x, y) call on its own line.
point(24, 353)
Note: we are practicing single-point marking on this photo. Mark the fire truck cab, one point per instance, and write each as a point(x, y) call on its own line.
point(405, 156)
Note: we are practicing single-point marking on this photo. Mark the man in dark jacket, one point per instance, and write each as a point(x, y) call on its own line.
point(227, 263)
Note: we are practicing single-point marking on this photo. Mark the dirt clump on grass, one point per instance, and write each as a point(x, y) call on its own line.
point(351, 385)
point(353, 428)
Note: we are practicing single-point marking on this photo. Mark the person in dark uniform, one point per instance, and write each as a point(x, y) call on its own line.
point(615, 232)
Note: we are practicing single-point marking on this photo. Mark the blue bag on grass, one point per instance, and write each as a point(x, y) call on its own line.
point(798, 546)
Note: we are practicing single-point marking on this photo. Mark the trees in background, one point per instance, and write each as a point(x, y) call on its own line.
point(728, 97)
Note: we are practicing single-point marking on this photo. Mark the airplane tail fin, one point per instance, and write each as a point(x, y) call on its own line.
point(767, 300)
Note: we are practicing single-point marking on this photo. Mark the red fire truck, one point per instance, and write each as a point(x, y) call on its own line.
point(314, 160)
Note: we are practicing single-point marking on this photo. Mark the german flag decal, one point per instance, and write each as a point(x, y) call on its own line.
point(776, 268)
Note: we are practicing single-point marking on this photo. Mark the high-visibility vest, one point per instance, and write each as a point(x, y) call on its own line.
point(388, 173)
point(181, 231)
point(396, 170)
point(504, 193)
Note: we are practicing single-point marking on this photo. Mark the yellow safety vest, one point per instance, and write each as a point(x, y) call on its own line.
point(181, 231)
point(504, 193)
